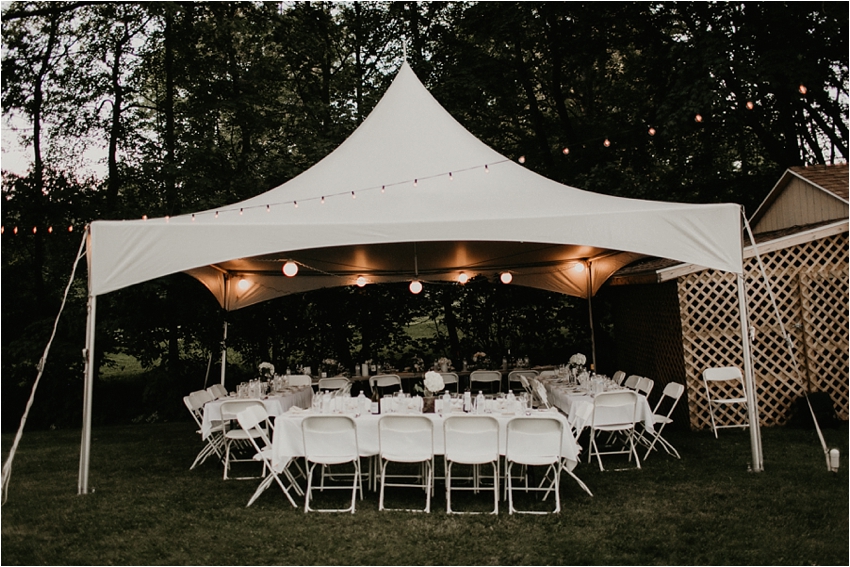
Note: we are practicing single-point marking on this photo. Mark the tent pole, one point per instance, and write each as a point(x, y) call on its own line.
point(224, 353)
point(590, 315)
point(88, 384)
point(750, 390)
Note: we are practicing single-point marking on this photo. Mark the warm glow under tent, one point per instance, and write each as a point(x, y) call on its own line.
point(410, 195)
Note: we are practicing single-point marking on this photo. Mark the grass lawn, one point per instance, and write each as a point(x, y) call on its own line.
point(148, 508)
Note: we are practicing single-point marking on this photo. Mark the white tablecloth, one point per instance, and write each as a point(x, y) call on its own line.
point(288, 440)
point(570, 400)
point(276, 404)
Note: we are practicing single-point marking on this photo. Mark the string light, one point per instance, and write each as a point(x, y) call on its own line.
point(651, 131)
point(167, 218)
point(361, 281)
point(415, 287)
point(70, 228)
point(269, 208)
point(750, 105)
point(34, 229)
point(290, 268)
point(803, 89)
point(353, 196)
point(579, 267)
point(607, 143)
point(244, 284)
point(193, 217)
point(521, 159)
point(462, 278)
point(323, 199)
point(566, 151)
point(415, 182)
point(698, 117)
point(2, 229)
point(451, 178)
point(50, 230)
point(15, 230)
point(486, 169)
point(295, 203)
point(216, 214)
point(383, 188)
point(506, 277)
point(240, 211)
point(144, 217)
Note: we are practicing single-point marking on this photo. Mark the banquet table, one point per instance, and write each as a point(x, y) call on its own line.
point(276, 404)
point(570, 399)
point(288, 440)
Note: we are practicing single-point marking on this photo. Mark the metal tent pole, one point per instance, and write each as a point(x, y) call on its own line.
point(224, 353)
point(85, 445)
point(749, 378)
point(590, 315)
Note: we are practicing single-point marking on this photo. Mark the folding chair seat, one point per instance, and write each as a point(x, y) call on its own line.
point(725, 390)
point(335, 383)
point(534, 442)
point(407, 439)
point(331, 440)
point(486, 377)
point(672, 391)
point(214, 443)
point(255, 420)
point(514, 381)
point(471, 440)
point(236, 438)
point(614, 412)
point(385, 384)
point(450, 378)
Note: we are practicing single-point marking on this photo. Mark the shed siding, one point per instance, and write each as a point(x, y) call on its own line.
point(800, 204)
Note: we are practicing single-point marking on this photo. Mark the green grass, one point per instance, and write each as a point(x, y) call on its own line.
point(148, 508)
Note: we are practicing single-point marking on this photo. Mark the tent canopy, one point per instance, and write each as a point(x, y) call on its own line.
point(411, 195)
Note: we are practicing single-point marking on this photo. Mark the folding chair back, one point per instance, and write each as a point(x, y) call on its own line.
point(632, 382)
point(471, 440)
point(335, 383)
point(450, 378)
point(330, 440)
point(488, 377)
point(514, 381)
point(725, 390)
point(386, 383)
point(299, 380)
point(407, 439)
point(645, 385)
point(533, 441)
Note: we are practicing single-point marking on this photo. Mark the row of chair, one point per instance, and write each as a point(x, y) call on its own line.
point(331, 440)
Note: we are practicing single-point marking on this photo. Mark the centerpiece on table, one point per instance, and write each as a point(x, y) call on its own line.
point(266, 370)
point(480, 360)
point(577, 370)
point(443, 364)
point(431, 384)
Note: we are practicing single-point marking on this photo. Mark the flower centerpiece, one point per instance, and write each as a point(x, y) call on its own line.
point(266, 370)
point(480, 360)
point(443, 364)
point(329, 367)
point(577, 369)
point(431, 384)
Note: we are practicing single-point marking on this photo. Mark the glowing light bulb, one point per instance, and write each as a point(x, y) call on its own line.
point(698, 117)
point(361, 281)
point(167, 218)
point(290, 269)
point(506, 277)
point(521, 159)
point(71, 228)
point(463, 278)
point(34, 230)
point(579, 267)
point(651, 131)
point(15, 230)
point(244, 284)
point(750, 105)
point(50, 230)
point(566, 151)
point(607, 143)
point(144, 217)
point(415, 287)
point(803, 89)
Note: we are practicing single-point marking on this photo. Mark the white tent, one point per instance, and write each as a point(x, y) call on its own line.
point(410, 195)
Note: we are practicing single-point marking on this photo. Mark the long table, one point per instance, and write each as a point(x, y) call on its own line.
point(570, 399)
point(276, 404)
point(288, 439)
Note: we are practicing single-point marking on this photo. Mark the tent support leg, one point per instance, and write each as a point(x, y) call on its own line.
point(224, 353)
point(752, 399)
point(590, 315)
point(88, 384)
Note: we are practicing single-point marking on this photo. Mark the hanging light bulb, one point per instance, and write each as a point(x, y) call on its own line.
point(803, 89)
point(15, 230)
point(268, 208)
point(579, 267)
point(50, 230)
point(323, 199)
point(415, 287)
point(698, 117)
point(486, 169)
point(383, 188)
point(240, 211)
point(651, 131)
point(290, 268)
point(462, 278)
point(566, 151)
point(70, 228)
point(415, 182)
point(34, 229)
point(353, 196)
point(607, 143)
point(295, 203)
point(451, 177)
point(144, 217)
point(244, 284)
point(193, 217)
point(506, 277)
point(750, 105)
point(361, 281)
point(216, 214)
point(521, 159)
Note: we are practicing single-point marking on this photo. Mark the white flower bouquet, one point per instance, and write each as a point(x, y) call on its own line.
point(266, 370)
point(433, 382)
point(578, 359)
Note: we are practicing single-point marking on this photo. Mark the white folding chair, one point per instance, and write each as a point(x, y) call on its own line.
point(614, 412)
point(299, 380)
point(218, 391)
point(514, 381)
point(407, 439)
point(534, 442)
point(451, 378)
point(672, 391)
point(471, 440)
point(236, 438)
point(632, 382)
point(255, 420)
point(645, 385)
point(385, 381)
point(618, 377)
point(330, 440)
point(724, 388)
point(488, 377)
point(335, 383)
point(214, 443)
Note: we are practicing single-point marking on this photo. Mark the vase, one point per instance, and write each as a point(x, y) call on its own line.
point(444, 367)
point(428, 404)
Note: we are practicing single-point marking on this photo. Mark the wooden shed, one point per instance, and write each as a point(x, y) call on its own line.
point(673, 320)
